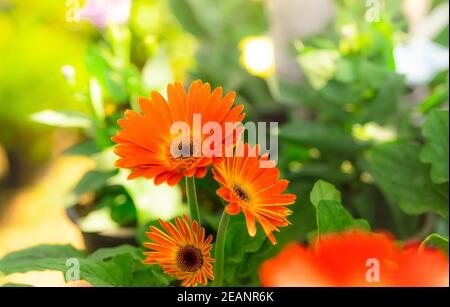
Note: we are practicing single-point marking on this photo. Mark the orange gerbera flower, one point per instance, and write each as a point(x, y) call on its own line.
point(182, 251)
point(254, 190)
point(355, 258)
point(146, 139)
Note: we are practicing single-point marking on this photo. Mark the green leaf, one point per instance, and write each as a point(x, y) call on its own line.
point(405, 180)
point(435, 151)
point(85, 148)
point(111, 273)
point(243, 254)
point(288, 92)
point(364, 203)
point(121, 266)
point(321, 136)
point(371, 74)
point(31, 258)
point(184, 12)
point(345, 71)
point(150, 276)
point(385, 103)
point(435, 240)
point(66, 119)
point(442, 37)
point(107, 267)
point(438, 96)
point(338, 93)
point(333, 217)
point(15, 285)
point(106, 253)
point(323, 190)
point(90, 182)
point(120, 205)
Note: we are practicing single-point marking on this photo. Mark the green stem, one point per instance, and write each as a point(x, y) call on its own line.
point(192, 199)
point(220, 249)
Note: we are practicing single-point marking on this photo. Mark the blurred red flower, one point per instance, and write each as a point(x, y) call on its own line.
point(356, 258)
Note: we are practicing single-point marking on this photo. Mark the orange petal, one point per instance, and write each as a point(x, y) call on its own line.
point(233, 209)
point(200, 172)
point(224, 193)
point(251, 225)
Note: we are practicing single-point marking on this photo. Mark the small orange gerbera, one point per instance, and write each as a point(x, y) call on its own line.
point(182, 251)
point(355, 258)
point(146, 143)
point(254, 190)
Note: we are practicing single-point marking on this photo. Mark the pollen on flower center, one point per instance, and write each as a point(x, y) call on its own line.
point(241, 193)
point(189, 258)
point(186, 151)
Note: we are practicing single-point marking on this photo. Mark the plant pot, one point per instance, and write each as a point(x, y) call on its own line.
point(106, 238)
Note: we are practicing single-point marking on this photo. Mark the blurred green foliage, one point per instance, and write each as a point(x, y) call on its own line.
point(35, 42)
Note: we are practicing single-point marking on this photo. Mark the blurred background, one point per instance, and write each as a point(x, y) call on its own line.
point(340, 77)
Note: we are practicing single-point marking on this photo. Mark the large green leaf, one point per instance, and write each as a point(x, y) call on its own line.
point(85, 148)
point(321, 136)
point(111, 273)
point(372, 75)
point(109, 267)
point(339, 93)
point(243, 254)
point(121, 266)
point(30, 259)
point(15, 285)
point(385, 103)
point(331, 216)
point(405, 179)
point(435, 151)
point(345, 71)
point(106, 253)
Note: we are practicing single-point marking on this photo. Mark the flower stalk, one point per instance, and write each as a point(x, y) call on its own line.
point(220, 249)
point(192, 199)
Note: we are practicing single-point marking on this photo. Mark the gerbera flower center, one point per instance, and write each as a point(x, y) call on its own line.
point(189, 258)
point(241, 193)
point(187, 151)
point(186, 148)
